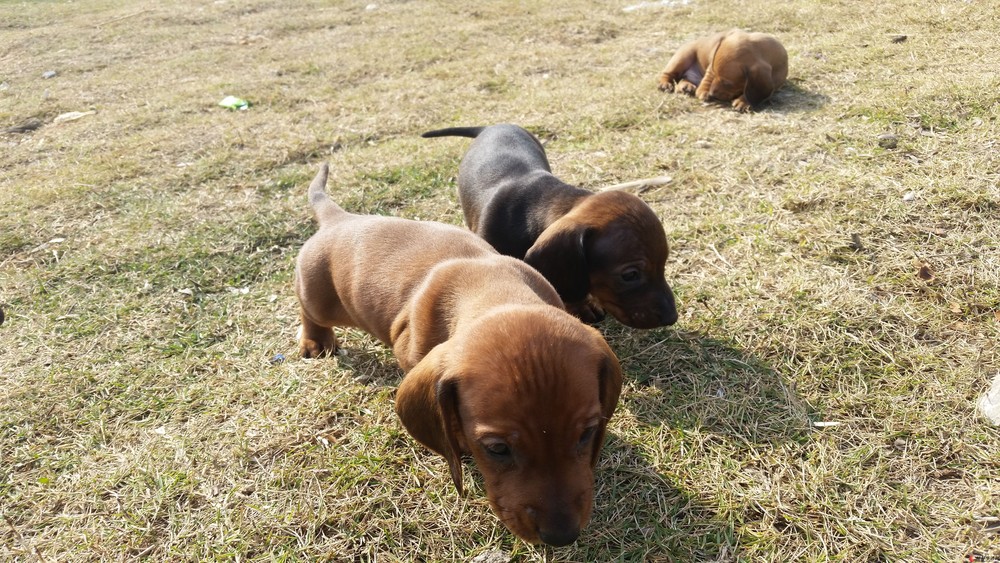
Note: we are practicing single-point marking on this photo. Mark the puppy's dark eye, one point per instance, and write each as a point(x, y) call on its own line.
point(631, 275)
point(587, 436)
point(497, 450)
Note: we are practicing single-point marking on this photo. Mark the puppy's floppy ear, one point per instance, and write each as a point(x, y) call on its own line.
point(560, 254)
point(609, 380)
point(759, 85)
point(715, 50)
point(427, 404)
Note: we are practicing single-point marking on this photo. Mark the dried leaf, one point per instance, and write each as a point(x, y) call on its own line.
point(925, 273)
point(956, 308)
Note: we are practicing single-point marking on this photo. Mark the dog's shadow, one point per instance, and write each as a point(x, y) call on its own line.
point(372, 362)
point(688, 380)
point(795, 97)
point(640, 514)
point(690, 388)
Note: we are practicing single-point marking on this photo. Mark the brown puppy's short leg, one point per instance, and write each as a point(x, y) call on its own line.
point(702, 93)
point(587, 310)
point(741, 105)
point(678, 64)
point(666, 82)
point(315, 340)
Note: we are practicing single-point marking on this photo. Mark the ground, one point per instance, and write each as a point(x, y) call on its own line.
point(840, 298)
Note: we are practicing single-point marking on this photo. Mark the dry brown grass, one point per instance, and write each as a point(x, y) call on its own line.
point(146, 253)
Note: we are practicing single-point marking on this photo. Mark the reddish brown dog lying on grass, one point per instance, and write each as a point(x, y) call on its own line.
point(495, 368)
point(732, 65)
point(607, 247)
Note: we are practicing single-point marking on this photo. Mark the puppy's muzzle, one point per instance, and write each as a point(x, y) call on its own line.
point(560, 530)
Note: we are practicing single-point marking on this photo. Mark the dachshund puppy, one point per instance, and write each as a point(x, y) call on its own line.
point(495, 368)
point(600, 250)
point(732, 65)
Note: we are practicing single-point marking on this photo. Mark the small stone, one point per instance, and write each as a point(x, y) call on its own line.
point(989, 403)
point(888, 141)
point(49, 74)
point(897, 38)
point(899, 444)
point(493, 556)
point(1, 316)
point(909, 196)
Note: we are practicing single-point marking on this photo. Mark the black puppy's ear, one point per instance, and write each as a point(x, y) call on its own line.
point(560, 254)
point(759, 85)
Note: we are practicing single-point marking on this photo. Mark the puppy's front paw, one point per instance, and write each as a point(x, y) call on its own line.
point(741, 105)
point(587, 311)
point(666, 83)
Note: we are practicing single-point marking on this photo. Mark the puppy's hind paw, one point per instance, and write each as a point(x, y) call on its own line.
point(685, 87)
point(313, 349)
point(317, 345)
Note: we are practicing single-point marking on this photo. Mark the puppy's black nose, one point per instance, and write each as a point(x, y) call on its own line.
point(560, 537)
point(668, 310)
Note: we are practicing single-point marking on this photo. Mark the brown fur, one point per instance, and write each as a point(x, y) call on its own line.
point(744, 68)
point(492, 360)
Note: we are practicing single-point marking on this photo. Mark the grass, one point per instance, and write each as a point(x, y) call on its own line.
point(146, 254)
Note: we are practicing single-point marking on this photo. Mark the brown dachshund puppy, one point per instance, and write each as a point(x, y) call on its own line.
point(495, 368)
point(732, 65)
point(600, 250)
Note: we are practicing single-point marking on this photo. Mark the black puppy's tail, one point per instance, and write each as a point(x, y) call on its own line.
point(472, 132)
point(324, 207)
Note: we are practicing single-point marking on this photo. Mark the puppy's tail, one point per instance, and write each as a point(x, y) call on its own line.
point(324, 207)
point(472, 132)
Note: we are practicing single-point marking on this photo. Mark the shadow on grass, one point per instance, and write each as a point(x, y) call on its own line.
point(641, 515)
point(794, 97)
point(690, 381)
point(688, 392)
point(373, 364)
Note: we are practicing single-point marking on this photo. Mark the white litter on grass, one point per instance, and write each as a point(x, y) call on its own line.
point(656, 4)
point(825, 423)
point(989, 403)
point(72, 116)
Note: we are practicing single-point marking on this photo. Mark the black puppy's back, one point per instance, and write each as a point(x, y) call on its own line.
point(506, 187)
